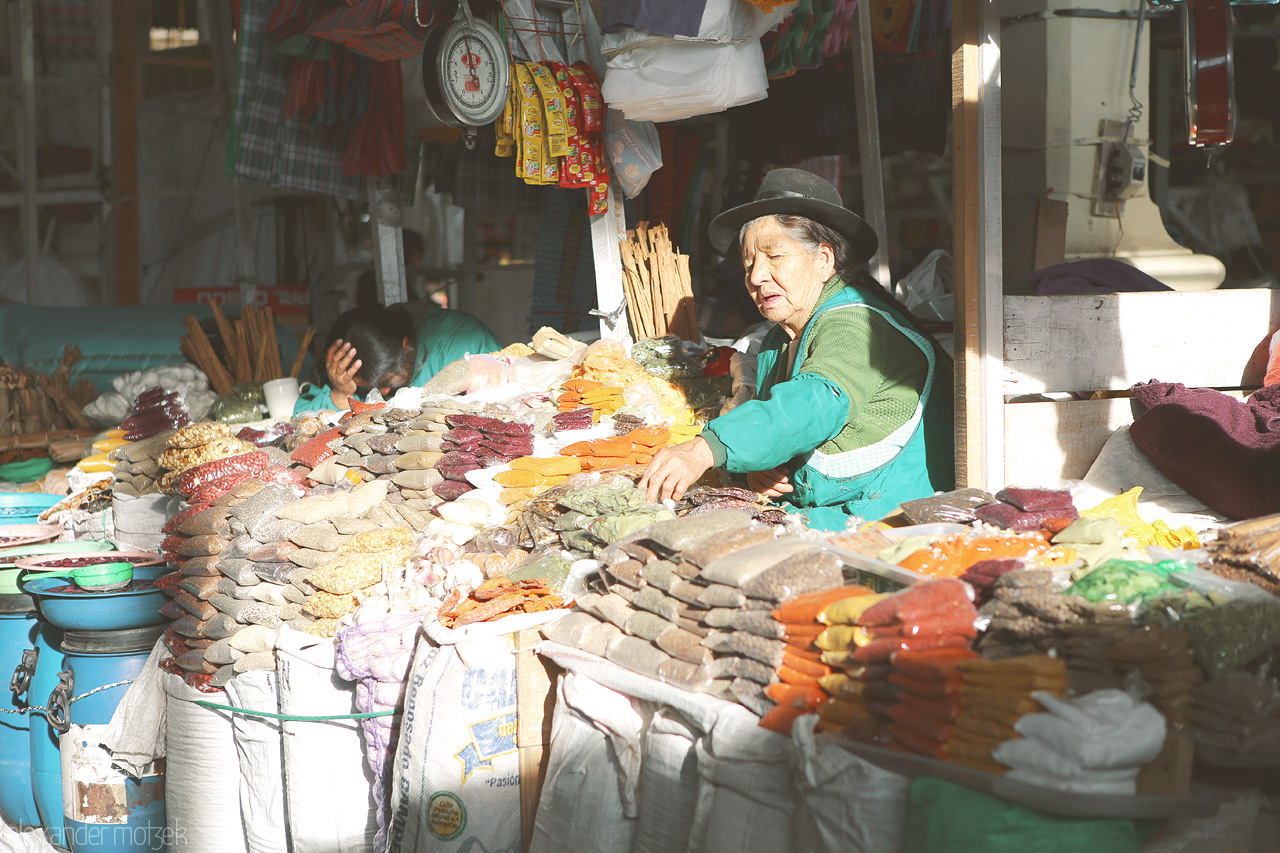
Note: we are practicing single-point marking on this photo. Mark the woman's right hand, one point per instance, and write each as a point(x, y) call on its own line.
point(341, 364)
point(773, 483)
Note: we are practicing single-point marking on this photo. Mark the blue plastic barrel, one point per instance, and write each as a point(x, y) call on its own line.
point(18, 628)
point(104, 810)
point(46, 759)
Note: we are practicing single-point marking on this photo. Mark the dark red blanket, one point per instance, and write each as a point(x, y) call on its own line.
point(1224, 451)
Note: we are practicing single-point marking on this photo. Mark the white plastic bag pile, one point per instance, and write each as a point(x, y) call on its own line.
point(657, 78)
point(187, 379)
point(1095, 744)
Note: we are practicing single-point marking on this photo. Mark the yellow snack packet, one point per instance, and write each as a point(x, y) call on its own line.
point(521, 479)
point(842, 686)
point(847, 610)
point(547, 466)
point(841, 713)
point(529, 166)
point(837, 637)
point(96, 464)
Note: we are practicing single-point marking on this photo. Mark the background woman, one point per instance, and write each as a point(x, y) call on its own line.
point(377, 347)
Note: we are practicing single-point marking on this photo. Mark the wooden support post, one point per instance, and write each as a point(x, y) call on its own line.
point(979, 318)
point(126, 88)
point(864, 82)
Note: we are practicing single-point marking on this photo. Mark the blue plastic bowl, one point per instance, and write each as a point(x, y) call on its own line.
point(99, 611)
point(24, 507)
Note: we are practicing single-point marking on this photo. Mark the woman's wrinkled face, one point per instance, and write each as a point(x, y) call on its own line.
point(783, 277)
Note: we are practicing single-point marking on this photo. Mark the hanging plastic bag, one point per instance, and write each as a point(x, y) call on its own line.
point(679, 80)
point(928, 289)
point(634, 151)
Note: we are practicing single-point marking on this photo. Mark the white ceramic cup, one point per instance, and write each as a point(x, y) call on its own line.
point(281, 395)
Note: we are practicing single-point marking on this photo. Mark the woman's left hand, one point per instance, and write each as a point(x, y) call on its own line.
point(674, 469)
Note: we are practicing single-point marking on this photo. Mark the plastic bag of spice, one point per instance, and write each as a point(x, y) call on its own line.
point(1228, 623)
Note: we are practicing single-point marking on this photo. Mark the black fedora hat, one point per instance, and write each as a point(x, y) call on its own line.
point(796, 192)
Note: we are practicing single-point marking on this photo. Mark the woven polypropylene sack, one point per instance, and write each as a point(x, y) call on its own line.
point(202, 773)
point(258, 746)
point(328, 787)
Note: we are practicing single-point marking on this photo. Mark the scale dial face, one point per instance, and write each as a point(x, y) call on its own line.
point(473, 72)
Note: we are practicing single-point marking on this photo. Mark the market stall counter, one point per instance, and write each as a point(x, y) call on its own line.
point(369, 601)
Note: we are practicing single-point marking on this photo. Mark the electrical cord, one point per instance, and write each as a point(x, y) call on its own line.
point(1136, 107)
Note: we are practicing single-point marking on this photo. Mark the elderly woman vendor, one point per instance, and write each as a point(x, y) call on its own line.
point(852, 414)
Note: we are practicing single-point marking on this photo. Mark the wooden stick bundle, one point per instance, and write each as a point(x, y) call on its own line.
point(252, 351)
point(35, 403)
point(658, 286)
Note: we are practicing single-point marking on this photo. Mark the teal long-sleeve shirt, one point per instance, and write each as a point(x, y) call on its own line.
point(799, 415)
point(443, 337)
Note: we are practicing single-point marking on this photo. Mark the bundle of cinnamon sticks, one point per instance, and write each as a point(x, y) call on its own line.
point(658, 287)
point(34, 403)
point(252, 352)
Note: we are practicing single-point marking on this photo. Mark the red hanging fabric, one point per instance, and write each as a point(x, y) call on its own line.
point(381, 30)
point(376, 144)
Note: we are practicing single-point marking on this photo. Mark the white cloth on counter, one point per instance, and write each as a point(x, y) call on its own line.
point(1093, 744)
point(1102, 730)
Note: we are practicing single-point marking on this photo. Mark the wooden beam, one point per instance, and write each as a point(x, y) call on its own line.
point(126, 90)
point(975, 105)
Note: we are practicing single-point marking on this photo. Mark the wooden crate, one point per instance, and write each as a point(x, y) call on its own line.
point(1110, 342)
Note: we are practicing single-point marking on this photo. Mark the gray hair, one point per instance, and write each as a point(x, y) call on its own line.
point(811, 235)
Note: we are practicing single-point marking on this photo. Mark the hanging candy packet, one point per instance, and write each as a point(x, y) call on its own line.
point(504, 127)
point(588, 86)
point(553, 110)
point(571, 171)
point(529, 166)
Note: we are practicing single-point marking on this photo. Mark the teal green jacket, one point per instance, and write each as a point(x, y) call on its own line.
point(443, 337)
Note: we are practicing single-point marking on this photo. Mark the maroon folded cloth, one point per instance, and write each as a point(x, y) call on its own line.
point(1224, 451)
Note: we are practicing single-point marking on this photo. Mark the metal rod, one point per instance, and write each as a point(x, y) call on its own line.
point(864, 83)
